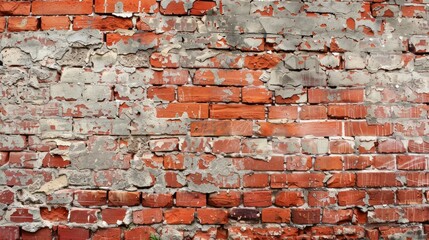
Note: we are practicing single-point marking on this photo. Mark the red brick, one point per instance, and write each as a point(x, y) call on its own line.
point(384, 162)
point(380, 197)
point(225, 199)
point(145, 38)
point(123, 198)
point(6, 196)
point(237, 111)
point(162, 93)
point(58, 214)
point(351, 198)
point(328, 163)
point(61, 7)
point(257, 199)
point(227, 77)
point(321, 198)
point(306, 216)
point(55, 161)
point(256, 180)
point(157, 200)
point(202, 7)
point(409, 196)
point(103, 23)
point(74, 233)
point(83, 215)
point(364, 129)
point(261, 61)
point(141, 232)
point(335, 95)
point(107, 233)
point(276, 215)
point(256, 95)
point(283, 112)
point(21, 215)
point(337, 216)
point(18, 24)
point(299, 96)
point(9, 232)
point(287, 146)
point(226, 145)
point(110, 6)
point(417, 179)
point(347, 111)
point(175, 110)
point(274, 164)
point(411, 11)
point(43, 233)
point(113, 215)
point(377, 179)
point(390, 146)
point(352, 162)
point(212, 216)
point(341, 146)
point(418, 147)
point(164, 144)
point(385, 215)
point(173, 7)
point(172, 181)
point(417, 214)
point(179, 215)
point(176, 162)
point(382, 10)
point(55, 23)
point(317, 129)
point(147, 216)
point(159, 60)
point(208, 94)
point(2, 24)
point(310, 112)
point(170, 76)
point(298, 163)
point(411, 162)
point(88, 198)
point(297, 180)
point(341, 180)
point(289, 199)
point(190, 199)
point(222, 128)
point(23, 159)
point(10, 8)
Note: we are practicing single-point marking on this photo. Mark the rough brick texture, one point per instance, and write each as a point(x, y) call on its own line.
point(214, 119)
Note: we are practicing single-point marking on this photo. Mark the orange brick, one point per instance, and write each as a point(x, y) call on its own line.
point(174, 110)
point(212, 216)
point(10, 8)
point(335, 95)
point(221, 128)
point(208, 94)
point(147, 216)
point(179, 215)
point(18, 24)
point(162, 93)
point(256, 95)
point(237, 111)
point(55, 23)
point(103, 23)
point(118, 6)
point(61, 7)
point(317, 129)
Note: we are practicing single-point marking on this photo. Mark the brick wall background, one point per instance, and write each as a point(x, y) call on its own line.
point(198, 119)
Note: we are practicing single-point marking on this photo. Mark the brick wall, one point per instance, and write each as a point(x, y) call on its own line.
point(199, 119)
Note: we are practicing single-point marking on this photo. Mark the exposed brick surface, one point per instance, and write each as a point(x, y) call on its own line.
point(214, 119)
